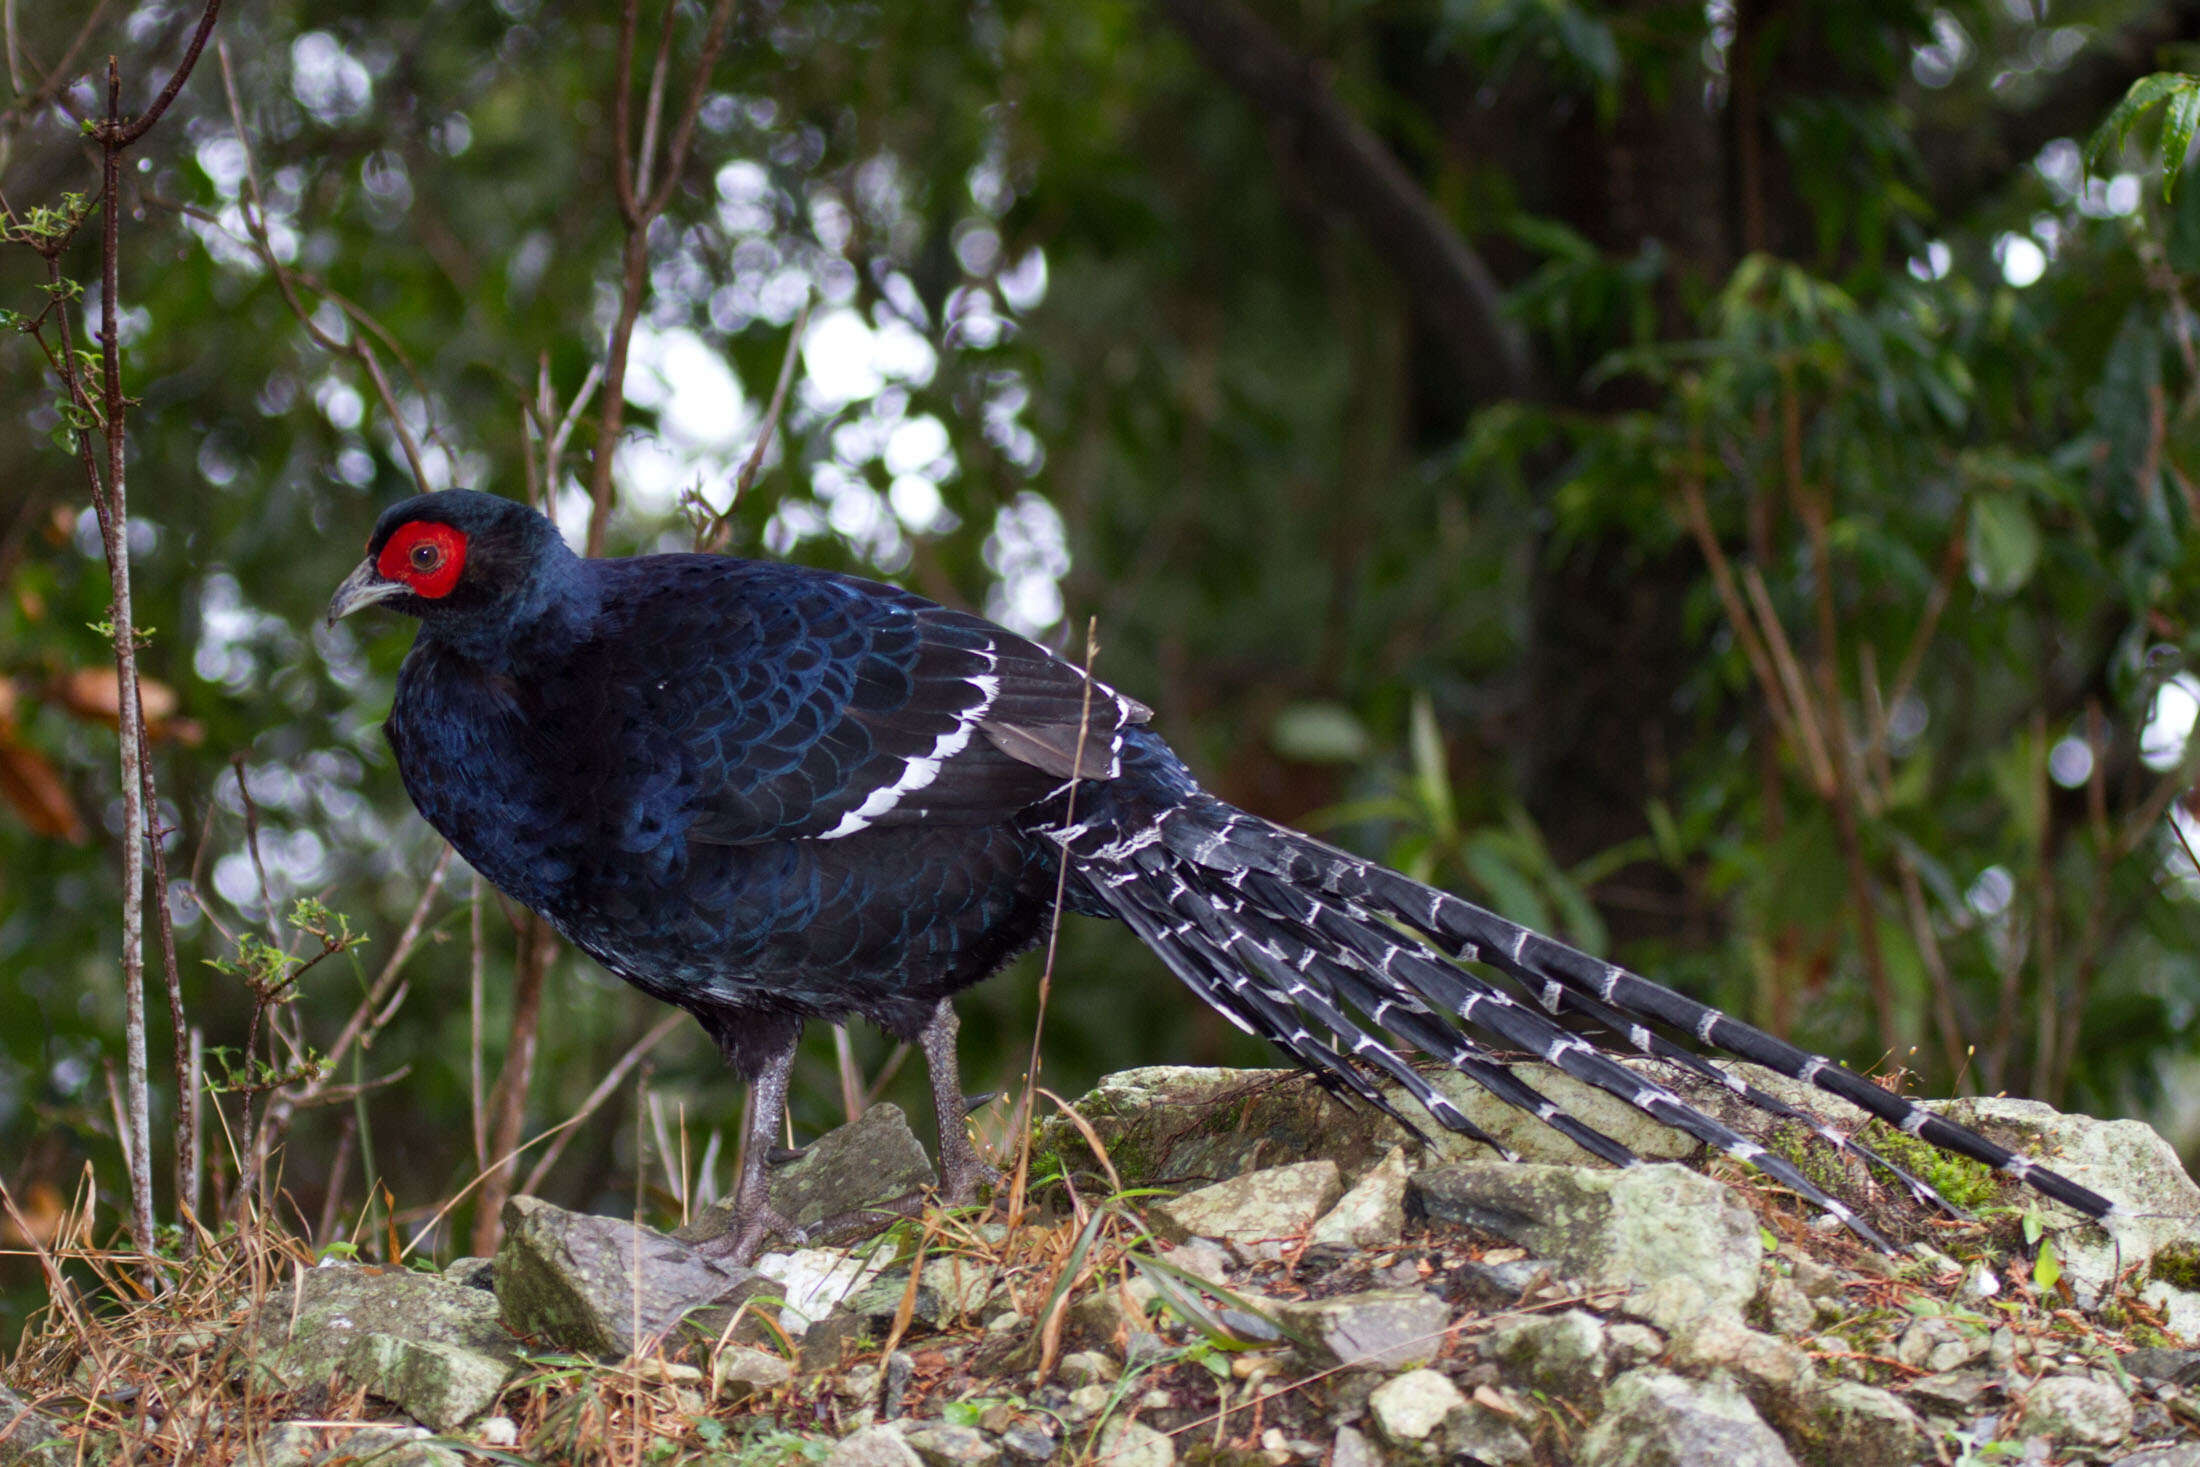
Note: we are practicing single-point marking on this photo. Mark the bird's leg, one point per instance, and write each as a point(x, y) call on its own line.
point(753, 1217)
point(961, 1172)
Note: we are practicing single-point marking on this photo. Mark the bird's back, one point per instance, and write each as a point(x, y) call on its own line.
point(690, 787)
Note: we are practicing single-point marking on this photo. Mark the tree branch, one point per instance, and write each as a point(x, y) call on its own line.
point(1449, 282)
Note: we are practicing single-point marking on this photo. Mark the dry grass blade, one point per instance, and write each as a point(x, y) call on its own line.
point(1073, 1271)
point(1019, 1185)
point(1092, 1138)
point(604, 1090)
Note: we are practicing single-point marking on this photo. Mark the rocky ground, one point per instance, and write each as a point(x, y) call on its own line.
point(1227, 1267)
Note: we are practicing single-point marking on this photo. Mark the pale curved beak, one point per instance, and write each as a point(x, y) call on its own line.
point(363, 587)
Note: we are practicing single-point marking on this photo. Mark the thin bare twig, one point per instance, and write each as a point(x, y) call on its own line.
point(716, 529)
point(363, 1022)
point(287, 281)
point(1811, 742)
point(538, 947)
point(644, 187)
point(477, 995)
point(851, 1078)
point(2045, 923)
point(124, 136)
point(1952, 561)
point(57, 78)
point(187, 1092)
point(110, 503)
point(1843, 765)
point(131, 718)
point(605, 1089)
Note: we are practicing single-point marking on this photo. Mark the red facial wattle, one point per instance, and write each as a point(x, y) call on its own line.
point(426, 555)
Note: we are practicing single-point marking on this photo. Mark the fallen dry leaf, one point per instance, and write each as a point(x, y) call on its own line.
point(32, 787)
point(92, 692)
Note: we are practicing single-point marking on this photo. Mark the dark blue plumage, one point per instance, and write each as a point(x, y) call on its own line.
point(769, 794)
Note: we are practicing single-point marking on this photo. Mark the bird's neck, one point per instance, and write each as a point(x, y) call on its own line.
point(553, 612)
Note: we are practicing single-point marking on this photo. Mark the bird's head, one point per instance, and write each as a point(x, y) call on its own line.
point(458, 560)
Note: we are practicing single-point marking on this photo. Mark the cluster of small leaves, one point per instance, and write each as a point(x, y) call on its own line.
point(2178, 94)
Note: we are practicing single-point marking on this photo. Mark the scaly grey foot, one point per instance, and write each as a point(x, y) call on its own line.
point(738, 1246)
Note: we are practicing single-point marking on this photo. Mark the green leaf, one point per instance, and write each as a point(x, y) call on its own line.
point(1319, 733)
point(1431, 770)
point(1510, 893)
point(2004, 542)
point(2177, 128)
point(2143, 94)
point(2046, 1269)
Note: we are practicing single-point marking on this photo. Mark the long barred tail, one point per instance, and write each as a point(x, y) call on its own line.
point(1289, 938)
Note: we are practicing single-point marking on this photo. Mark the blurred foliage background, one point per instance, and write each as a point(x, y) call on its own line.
point(1708, 479)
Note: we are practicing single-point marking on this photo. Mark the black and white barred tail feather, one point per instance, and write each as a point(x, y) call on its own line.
point(1287, 937)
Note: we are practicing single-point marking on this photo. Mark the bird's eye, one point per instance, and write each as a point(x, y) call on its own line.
point(426, 556)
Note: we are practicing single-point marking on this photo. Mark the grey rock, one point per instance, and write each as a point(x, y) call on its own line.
point(741, 1371)
point(1608, 1229)
point(1560, 1354)
point(863, 1173)
point(474, 1273)
point(1385, 1329)
point(2178, 1367)
point(825, 1342)
point(2126, 1161)
point(1815, 1279)
point(1769, 1368)
point(2077, 1411)
point(1086, 1367)
point(307, 1327)
point(284, 1444)
point(813, 1280)
point(1408, 1410)
point(585, 1283)
point(1205, 1257)
point(1372, 1214)
point(1499, 1286)
point(1127, 1443)
point(1028, 1441)
point(1353, 1450)
point(874, 1446)
point(1955, 1393)
point(2182, 1454)
point(1280, 1203)
point(942, 1444)
point(1787, 1309)
point(1171, 1123)
point(948, 1290)
point(1086, 1402)
point(1115, 1313)
point(1631, 1344)
point(1655, 1419)
point(1849, 1424)
point(1940, 1342)
point(29, 1437)
point(438, 1385)
point(1478, 1434)
point(386, 1446)
point(1536, 1143)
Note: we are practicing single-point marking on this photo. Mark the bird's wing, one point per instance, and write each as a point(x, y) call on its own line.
point(803, 704)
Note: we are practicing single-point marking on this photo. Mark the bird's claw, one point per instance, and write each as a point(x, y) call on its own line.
point(738, 1246)
point(960, 1184)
